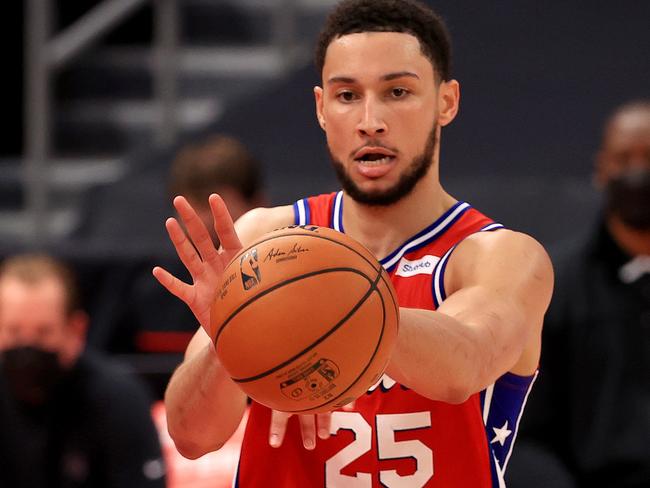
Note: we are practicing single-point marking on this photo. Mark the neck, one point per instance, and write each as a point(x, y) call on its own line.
point(383, 228)
point(633, 241)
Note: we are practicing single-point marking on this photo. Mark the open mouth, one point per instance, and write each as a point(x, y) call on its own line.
point(374, 156)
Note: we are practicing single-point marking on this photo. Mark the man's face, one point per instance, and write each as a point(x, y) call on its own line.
point(35, 315)
point(626, 145)
point(381, 108)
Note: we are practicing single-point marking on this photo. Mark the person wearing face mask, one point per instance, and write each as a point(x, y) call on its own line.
point(67, 417)
point(588, 419)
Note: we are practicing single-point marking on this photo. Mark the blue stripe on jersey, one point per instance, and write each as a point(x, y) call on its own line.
point(337, 213)
point(424, 237)
point(235, 481)
point(438, 281)
point(296, 214)
point(301, 213)
point(493, 468)
point(307, 212)
point(503, 404)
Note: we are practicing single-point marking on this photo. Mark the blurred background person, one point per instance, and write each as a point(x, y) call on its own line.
point(214, 164)
point(68, 418)
point(144, 318)
point(587, 422)
point(217, 164)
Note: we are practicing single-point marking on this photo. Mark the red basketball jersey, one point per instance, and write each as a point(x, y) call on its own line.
point(395, 437)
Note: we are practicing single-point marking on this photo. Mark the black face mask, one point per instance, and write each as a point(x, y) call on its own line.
point(628, 197)
point(31, 374)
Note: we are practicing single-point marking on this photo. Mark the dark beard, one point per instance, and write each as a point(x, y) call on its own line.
point(382, 198)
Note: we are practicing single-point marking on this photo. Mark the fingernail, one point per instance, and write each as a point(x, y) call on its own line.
point(274, 440)
point(309, 444)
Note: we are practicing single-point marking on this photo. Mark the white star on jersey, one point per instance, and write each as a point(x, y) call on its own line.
point(501, 434)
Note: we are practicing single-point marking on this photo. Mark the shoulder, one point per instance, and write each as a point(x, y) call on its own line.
point(501, 245)
point(502, 258)
point(261, 220)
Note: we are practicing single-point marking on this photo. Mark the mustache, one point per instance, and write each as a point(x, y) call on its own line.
point(373, 143)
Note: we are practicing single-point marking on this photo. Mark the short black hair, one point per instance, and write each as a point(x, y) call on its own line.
point(201, 168)
point(407, 16)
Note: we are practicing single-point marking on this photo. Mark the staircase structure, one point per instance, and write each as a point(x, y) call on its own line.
point(123, 74)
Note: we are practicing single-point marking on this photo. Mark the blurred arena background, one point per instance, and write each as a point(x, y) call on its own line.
point(99, 95)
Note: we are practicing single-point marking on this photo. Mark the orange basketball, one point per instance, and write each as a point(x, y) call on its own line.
point(305, 319)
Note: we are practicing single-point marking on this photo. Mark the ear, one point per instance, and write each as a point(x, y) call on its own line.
point(448, 101)
point(77, 329)
point(318, 98)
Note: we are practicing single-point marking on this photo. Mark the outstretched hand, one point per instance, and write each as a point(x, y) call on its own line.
point(199, 255)
point(310, 427)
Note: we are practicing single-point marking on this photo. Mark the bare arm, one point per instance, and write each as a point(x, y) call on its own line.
point(499, 285)
point(204, 407)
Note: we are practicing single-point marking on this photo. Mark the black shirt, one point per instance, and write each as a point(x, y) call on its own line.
point(591, 403)
point(96, 432)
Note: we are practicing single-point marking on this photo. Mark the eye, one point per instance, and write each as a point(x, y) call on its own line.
point(398, 92)
point(346, 96)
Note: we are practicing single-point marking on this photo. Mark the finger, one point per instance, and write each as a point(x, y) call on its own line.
point(196, 229)
point(308, 430)
point(278, 427)
point(223, 224)
point(184, 248)
point(348, 407)
point(324, 423)
point(175, 286)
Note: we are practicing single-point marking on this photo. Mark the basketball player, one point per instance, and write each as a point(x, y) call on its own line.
point(472, 294)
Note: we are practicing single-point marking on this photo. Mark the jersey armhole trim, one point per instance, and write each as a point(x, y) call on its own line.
point(336, 222)
point(301, 213)
point(438, 282)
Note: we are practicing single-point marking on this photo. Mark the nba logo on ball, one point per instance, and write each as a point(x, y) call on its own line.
point(250, 269)
point(316, 332)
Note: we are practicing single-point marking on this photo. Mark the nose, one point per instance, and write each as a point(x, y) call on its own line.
point(19, 336)
point(372, 122)
point(637, 154)
point(640, 161)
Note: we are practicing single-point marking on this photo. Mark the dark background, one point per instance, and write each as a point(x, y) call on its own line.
point(537, 81)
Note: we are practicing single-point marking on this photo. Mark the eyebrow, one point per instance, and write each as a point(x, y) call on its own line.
point(386, 77)
point(399, 74)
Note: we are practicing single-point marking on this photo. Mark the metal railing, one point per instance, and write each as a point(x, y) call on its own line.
point(46, 53)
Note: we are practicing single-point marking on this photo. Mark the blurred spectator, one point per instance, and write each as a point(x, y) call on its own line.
point(131, 313)
point(218, 164)
point(222, 165)
point(68, 418)
point(587, 422)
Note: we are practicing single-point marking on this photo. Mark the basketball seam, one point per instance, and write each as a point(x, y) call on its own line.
point(280, 285)
point(351, 312)
point(388, 283)
point(316, 236)
point(381, 335)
